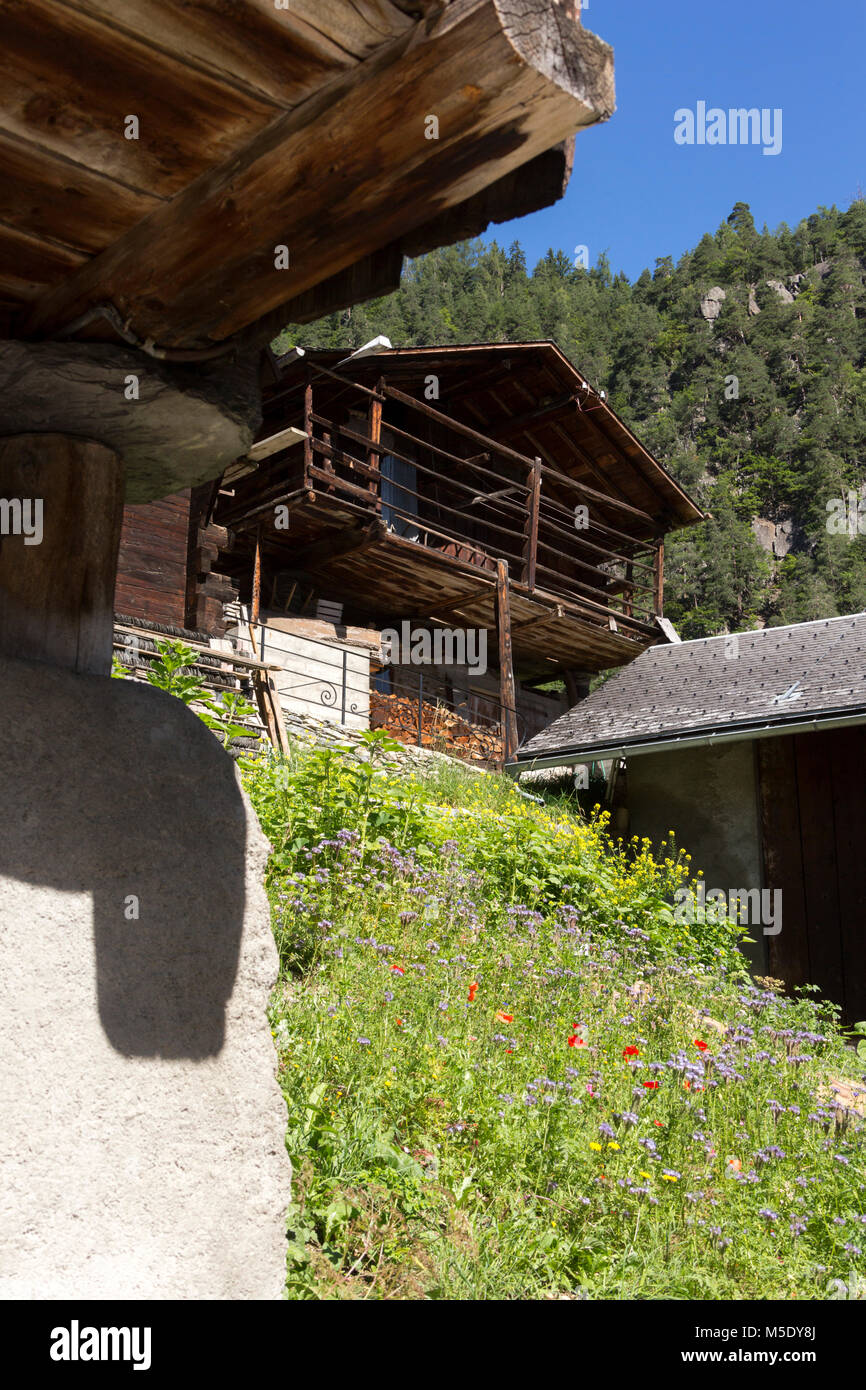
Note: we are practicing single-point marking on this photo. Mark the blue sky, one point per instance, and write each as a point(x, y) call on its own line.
point(638, 195)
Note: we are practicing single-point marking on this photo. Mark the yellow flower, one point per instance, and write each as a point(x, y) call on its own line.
point(596, 1148)
point(611, 1145)
point(644, 1174)
point(668, 1177)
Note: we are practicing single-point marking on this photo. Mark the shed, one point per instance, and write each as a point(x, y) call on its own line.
point(750, 748)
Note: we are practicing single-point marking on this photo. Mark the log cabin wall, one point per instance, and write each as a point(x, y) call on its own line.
point(152, 565)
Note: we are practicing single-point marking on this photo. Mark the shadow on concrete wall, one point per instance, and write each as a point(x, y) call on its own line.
point(117, 790)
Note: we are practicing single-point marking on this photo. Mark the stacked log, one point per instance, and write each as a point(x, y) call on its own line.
point(442, 729)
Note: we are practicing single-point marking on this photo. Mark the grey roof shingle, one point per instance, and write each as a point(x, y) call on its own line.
point(774, 676)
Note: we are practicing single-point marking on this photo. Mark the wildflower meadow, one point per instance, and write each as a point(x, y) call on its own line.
point(510, 1074)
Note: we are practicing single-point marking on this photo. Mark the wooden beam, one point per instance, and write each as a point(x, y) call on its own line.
point(308, 432)
point(275, 443)
point(530, 526)
point(57, 582)
point(540, 620)
point(257, 581)
point(441, 611)
point(374, 429)
point(457, 427)
point(576, 685)
point(528, 189)
point(348, 171)
point(309, 557)
point(659, 580)
point(506, 664)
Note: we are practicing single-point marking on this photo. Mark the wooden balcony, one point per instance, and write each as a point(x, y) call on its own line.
point(395, 507)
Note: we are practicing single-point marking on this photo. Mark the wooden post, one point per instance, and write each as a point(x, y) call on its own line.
point(576, 686)
point(659, 580)
point(375, 432)
point(506, 667)
point(61, 509)
point(530, 525)
point(628, 596)
point(308, 431)
point(257, 580)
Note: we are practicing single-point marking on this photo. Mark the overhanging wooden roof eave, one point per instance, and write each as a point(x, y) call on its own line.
point(559, 79)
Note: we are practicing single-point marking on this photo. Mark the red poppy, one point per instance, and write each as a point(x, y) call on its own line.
point(575, 1041)
point(651, 1085)
point(503, 1017)
point(399, 1023)
point(473, 990)
point(631, 1051)
point(658, 1124)
point(398, 970)
point(701, 1045)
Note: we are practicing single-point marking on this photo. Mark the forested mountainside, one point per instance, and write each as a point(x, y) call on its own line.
point(741, 367)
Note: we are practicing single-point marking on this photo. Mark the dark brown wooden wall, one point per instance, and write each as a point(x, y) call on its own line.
point(151, 570)
point(813, 811)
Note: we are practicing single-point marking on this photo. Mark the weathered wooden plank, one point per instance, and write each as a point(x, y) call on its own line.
point(507, 697)
point(152, 561)
point(350, 170)
point(56, 594)
point(283, 54)
point(69, 83)
point(659, 580)
point(818, 840)
point(530, 527)
point(29, 266)
point(533, 186)
point(52, 198)
point(783, 858)
point(846, 751)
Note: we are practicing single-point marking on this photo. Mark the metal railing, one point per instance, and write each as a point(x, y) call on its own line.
point(421, 708)
point(415, 706)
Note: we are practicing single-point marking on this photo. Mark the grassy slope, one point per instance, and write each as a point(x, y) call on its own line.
point(507, 1076)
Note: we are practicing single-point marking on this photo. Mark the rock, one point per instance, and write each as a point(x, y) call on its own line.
point(711, 302)
point(774, 537)
point(764, 533)
point(779, 289)
point(143, 1129)
point(784, 538)
point(754, 307)
point(184, 426)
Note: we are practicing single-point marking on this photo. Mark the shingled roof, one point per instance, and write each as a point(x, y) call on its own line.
point(744, 683)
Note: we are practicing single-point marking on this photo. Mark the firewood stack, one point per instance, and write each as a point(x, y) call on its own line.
point(442, 729)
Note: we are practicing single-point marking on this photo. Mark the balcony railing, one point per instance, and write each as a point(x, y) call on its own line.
point(446, 486)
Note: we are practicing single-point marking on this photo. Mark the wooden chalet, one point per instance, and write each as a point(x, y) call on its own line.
point(478, 487)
